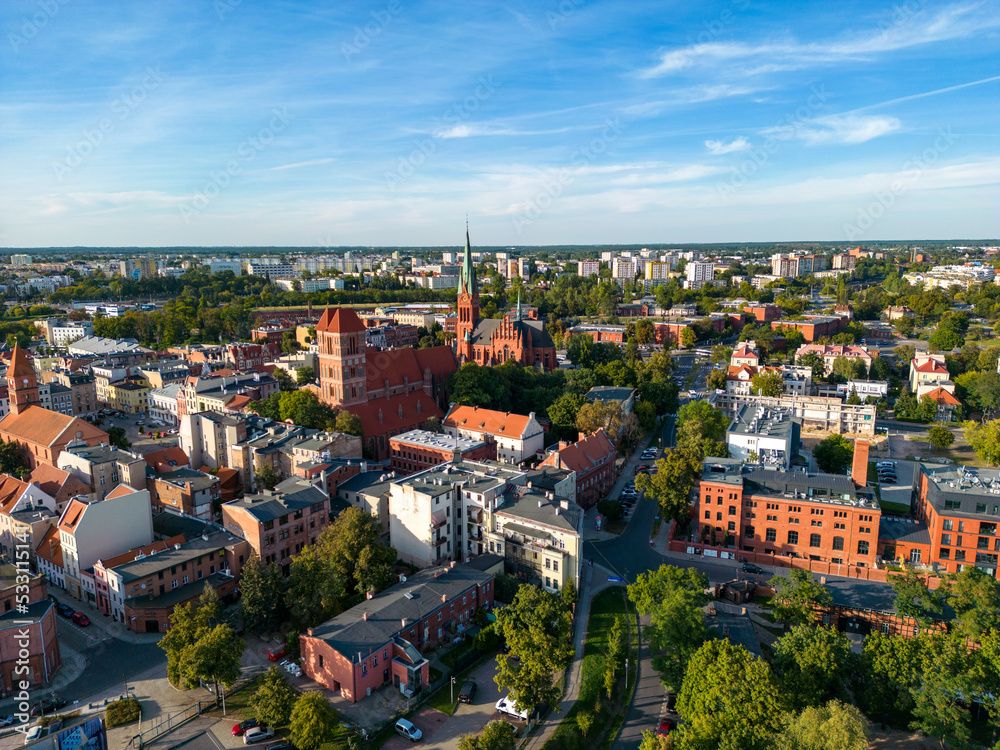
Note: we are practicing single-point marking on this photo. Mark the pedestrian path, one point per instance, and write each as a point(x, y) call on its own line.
point(102, 622)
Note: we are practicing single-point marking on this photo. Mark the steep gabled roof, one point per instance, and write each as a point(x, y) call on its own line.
point(72, 515)
point(340, 320)
point(930, 365)
point(941, 396)
point(398, 413)
point(121, 491)
point(167, 460)
point(20, 365)
point(46, 427)
point(50, 548)
point(11, 489)
point(586, 454)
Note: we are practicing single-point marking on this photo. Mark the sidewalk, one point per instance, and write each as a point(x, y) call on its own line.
point(590, 589)
point(103, 622)
point(590, 531)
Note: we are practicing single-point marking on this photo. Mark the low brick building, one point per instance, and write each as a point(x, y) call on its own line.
point(379, 641)
point(813, 329)
point(418, 450)
point(34, 631)
point(184, 490)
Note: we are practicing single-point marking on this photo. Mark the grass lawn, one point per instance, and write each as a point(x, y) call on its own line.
point(458, 652)
point(608, 715)
point(442, 700)
point(900, 509)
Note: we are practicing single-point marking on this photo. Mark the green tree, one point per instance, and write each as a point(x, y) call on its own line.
point(797, 597)
point(496, 735)
point(260, 595)
point(813, 663)
point(305, 375)
point(768, 383)
point(569, 594)
point(214, 657)
point(285, 382)
point(889, 669)
point(945, 339)
point(721, 354)
point(118, 438)
point(940, 700)
point(879, 369)
point(699, 422)
point(848, 369)
point(833, 454)
point(266, 478)
point(563, 412)
point(273, 699)
point(729, 699)
point(644, 332)
point(673, 597)
point(615, 654)
point(905, 354)
point(834, 726)
point(975, 597)
point(348, 423)
point(599, 415)
point(688, 338)
point(940, 436)
point(11, 460)
point(312, 722)
point(815, 361)
point(537, 629)
point(716, 380)
point(671, 485)
point(914, 598)
point(984, 439)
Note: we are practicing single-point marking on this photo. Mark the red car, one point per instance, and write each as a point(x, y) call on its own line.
point(665, 727)
point(80, 619)
point(240, 729)
point(276, 653)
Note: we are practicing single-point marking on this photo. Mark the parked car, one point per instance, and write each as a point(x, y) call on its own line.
point(280, 745)
point(257, 734)
point(665, 727)
point(292, 667)
point(6, 721)
point(671, 701)
point(507, 706)
point(35, 733)
point(47, 706)
point(65, 610)
point(276, 653)
point(751, 568)
point(79, 618)
point(406, 728)
point(244, 726)
point(468, 692)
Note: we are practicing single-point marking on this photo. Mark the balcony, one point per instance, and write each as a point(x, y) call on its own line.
point(437, 542)
point(475, 515)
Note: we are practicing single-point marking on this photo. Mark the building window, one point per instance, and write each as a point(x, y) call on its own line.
point(885, 628)
point(732, 510)
point(946, 539)
point(793, 537)
point(914, 556)
point(945, 553)
point(748, 532)
point(770, 535)
point(838, 542)
point(732, 526)
point(814, 540)
point(862, 547)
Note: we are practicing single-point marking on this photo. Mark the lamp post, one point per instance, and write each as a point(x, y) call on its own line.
point(453, 688)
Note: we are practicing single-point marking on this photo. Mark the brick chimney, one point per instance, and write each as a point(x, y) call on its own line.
point(859, 468)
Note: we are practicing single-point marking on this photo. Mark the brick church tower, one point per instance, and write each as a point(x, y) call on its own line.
point(468, 304)
point(341, 338)
point(22, 382)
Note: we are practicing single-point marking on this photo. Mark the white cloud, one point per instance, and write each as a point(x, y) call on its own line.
point(718, 148)
point(296, 165)
point(836, 129)
point(889, 34)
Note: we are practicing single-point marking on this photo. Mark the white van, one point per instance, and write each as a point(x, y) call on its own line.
point(507, 706)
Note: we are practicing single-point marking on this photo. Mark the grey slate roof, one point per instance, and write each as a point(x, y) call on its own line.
point(289, 496)
point(535, 507)
point(414, 599)
point(540, 338)
point(188, 551)
point(372, 483)
point(902, 530)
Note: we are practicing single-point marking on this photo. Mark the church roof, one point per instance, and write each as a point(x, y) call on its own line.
point(395, 414)
point(467, 275)
point(45, 427)
point(20, 366)
point(540, 338)
point(394, 364)
point(340, 320)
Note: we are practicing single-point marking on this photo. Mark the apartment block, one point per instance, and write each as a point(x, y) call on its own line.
point(517, 437)
point(103, 467)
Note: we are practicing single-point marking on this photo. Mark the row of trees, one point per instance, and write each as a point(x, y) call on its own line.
point(304, 408)
point(800, 698)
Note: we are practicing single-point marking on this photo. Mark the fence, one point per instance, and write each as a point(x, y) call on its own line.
point(173, 721)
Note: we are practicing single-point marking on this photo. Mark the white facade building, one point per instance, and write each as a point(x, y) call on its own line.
point(163, 403)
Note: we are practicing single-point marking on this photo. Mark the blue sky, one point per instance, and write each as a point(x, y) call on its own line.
point(241, 122)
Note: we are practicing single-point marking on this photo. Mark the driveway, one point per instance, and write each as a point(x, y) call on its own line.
point(902, 491)
point(467, 719)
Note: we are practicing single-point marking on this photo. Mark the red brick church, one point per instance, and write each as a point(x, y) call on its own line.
point(491, 341)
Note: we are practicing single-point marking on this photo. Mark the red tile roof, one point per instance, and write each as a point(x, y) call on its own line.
point(168, 459)
point(11, 489)
point(941, 396)
point(395, 414)
point(120, 491)
point(72, 515)
point(45, 427)
point(488, 421)
point(50, 548)
point(394, 364)
point(20, 365)
point(585, 455)
point(340, 320)
point(931, 365)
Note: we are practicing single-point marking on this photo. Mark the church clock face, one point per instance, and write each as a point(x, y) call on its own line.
point(25, 381)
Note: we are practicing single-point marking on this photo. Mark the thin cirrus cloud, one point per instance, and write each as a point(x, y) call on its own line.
point(718, 148)
point(298, 164)
point(895, 33)
point(836, 129)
